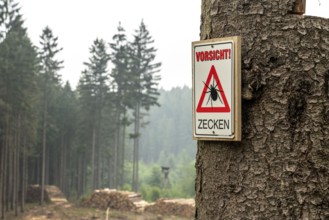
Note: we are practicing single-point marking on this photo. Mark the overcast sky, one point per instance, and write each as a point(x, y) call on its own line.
point(174, 24)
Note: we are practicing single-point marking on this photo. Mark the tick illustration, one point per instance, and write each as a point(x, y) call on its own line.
point(213, 93)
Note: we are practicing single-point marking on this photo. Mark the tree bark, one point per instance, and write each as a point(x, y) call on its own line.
point(115, 153)
point(121, 162)
point(24, 176)
point(44, 139)
point(3, 175)
point(93, 158)
point(136, 149)
point(280, 169)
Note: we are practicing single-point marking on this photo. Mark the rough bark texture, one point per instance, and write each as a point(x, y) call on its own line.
point(280, 170)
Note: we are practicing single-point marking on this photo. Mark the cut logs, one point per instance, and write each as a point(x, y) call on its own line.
point(33, 194)
point(118, 200)
point(130, 201)
point(51, 194)
point(176, 207)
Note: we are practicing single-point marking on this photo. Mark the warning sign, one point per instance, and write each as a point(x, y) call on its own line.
point(216, 89)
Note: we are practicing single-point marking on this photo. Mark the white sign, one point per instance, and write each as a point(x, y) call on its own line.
point(217, 89)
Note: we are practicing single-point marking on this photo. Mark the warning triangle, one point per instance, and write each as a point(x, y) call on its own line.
point(213, 93)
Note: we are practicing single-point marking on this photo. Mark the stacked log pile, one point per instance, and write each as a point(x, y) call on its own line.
point(113, 199)
point(130, 201)
point(55, 194)
point(33, 194)
point(176, 207)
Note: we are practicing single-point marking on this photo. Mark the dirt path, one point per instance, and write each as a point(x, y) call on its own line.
point(54, 210)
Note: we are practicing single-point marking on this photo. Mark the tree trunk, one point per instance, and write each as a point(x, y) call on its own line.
point(80, 180)
point(4, 205)
point(60, 178)
point(16, 163)
point(44, 139)
point(121, 163)
point(3, 176)
point(93, 178)
point(115, 152)
point(280, 169)
point(136, 149)
point(11, 172)
point(24, 176)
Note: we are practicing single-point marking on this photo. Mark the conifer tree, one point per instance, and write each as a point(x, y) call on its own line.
point(9, 13)
point(145, 79)
point(93, 87)
point(120, 74)
point(17, 102)
point(66, 116)
point(50, 67)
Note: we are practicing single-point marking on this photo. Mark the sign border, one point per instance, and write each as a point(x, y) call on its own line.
point(236, 108)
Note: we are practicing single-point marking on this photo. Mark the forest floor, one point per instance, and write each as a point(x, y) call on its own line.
point(72, 212)
point(60, 209)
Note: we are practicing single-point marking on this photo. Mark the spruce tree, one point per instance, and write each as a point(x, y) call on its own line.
point(17, 101)
point(122, 98)
point(66, 117)
point(144, 83)
point(9, 13)
point(93, 88)
point(50, 79)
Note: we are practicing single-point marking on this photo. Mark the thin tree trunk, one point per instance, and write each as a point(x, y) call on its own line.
point(99, 157)
point(11, 172)
point(44, 139)
point(24, 176)
point(136, 149)
point(1, 168)
point(4, 178)
point(16, 161)
point(16, 180)
point(4, 205)
point(114, 156)
point(115, 153)
point(79, 180)
point(3, 175)
point(122, 154)
point(93, 157)
point(62, 164)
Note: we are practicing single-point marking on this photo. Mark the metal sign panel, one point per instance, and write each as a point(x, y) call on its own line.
point(216, 67)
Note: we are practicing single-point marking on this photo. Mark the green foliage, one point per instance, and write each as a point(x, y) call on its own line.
point(184, 178)
point(126, 187)
point(9, 16)
point(150, 174)
point(150, 193)
point(180, 182)
point(143, 68)
point(48, 52)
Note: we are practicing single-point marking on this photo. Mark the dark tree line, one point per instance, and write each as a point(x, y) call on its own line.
point(77, 140)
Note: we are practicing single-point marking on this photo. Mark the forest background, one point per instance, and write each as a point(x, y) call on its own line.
point(115, 130)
